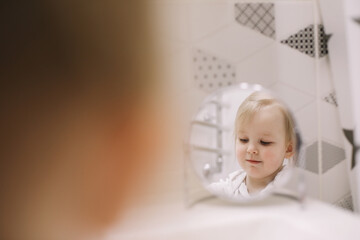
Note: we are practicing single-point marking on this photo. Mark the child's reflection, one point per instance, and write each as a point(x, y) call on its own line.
point(264, 138)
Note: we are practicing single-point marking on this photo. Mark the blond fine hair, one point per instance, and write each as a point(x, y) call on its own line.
point(254, 103)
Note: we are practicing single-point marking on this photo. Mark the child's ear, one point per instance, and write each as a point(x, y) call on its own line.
point(289, 150)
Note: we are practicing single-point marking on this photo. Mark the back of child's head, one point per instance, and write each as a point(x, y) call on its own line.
point(257, 101)
point(76, 77)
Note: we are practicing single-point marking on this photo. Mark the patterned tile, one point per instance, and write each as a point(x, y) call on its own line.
point(357, 20)
point(257, 16)
point(331, 155)
point(323, 41)
point(292, 17)
point(331, 98)
point(304, 41)
point(345, 202)
point(211, 73)
point(349, 134)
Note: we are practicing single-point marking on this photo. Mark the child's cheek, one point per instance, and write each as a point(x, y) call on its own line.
point(272, 158)
point(268, 155)
point(240, 152)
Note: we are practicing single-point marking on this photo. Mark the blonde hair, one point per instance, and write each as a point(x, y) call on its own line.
point(254, 103)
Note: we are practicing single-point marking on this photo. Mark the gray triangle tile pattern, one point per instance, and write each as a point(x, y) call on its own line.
point(211, 73)
point(331, 156)
point(331, 98)
point(304, 41)
point(257, 16)
point(323, 41)
point(349, 134)
point(357, 20)
point(345, 202)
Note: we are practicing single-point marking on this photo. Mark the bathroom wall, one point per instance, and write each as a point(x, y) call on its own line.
point(211, 44)
point(218, 137)
point(340, 19)
point(352, 26)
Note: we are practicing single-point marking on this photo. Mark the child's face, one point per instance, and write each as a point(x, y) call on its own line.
point(261, 144)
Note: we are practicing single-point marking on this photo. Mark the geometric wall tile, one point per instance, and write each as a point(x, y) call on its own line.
point(357, 20)
point(349, 135)
point(304, 41)
point(257, 16)
point(331, 155)
point(331, 98)
point(211, 73)
point(323, 41)
point(291, 17)
point(345, 202)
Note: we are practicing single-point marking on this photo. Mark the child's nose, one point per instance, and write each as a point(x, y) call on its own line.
point(252, 149)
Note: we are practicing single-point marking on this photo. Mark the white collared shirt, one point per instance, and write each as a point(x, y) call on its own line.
point(235, 186)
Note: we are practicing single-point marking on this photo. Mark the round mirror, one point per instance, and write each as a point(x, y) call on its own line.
point(243, 143)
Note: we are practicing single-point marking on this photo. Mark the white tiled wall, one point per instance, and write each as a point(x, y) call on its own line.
point(210, 26)
point(352, 14)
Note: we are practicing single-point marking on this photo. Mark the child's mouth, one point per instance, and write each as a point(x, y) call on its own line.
point(253, 161)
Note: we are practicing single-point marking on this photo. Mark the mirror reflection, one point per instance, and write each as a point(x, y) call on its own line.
point(243, 142)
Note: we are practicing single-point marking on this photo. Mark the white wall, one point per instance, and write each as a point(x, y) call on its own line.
point(305, 82)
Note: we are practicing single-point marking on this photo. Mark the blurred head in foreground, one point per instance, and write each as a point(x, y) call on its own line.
point(77, 114)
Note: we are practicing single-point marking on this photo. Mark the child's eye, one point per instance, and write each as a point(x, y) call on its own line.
point(265, 143)
point(243, 140)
